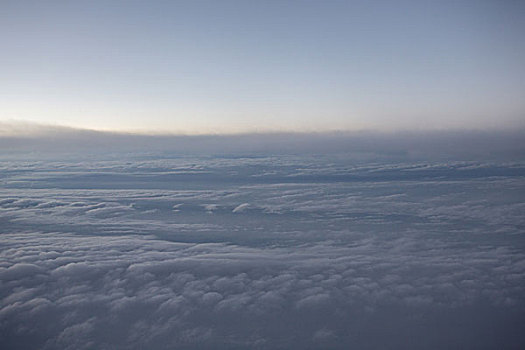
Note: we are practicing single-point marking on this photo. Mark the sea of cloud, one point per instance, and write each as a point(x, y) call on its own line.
point(273, 252)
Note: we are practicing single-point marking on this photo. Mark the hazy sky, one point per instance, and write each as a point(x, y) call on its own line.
point(230, 66)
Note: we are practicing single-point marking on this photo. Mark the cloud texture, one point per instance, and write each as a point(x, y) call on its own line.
point(272, 252)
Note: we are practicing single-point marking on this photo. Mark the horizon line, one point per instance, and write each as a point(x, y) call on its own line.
point(29, 129)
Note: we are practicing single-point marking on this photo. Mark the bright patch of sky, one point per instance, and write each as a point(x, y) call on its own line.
point(237, 66)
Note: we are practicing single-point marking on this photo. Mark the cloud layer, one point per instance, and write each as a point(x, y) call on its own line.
point(43, 141)
point(279, 252)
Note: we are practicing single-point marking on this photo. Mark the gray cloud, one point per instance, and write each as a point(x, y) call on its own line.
point(101, 290)
point(31, 140)
point(267, 252)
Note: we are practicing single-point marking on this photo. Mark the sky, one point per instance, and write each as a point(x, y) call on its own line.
point(198, 67)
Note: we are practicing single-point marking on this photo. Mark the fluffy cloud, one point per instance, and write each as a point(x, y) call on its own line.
point(431, 262)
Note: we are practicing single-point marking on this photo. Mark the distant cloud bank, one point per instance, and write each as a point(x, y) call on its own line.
point(44, 140)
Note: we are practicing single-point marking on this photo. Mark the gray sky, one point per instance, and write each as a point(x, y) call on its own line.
point(245, 66)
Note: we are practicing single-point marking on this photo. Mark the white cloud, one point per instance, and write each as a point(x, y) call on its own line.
point(241, 207)
point(324, 265)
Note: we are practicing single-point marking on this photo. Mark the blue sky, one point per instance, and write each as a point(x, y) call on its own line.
point(244, 66)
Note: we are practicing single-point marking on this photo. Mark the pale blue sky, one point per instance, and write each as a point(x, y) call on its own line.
point(233, 66)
